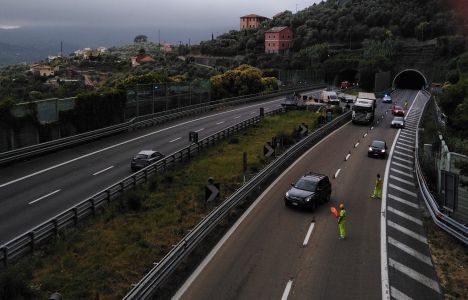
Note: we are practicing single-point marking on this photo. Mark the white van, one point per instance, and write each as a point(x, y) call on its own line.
point(330, 97)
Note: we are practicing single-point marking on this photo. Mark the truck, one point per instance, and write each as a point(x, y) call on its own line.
point(292, 101)
point(364, 108)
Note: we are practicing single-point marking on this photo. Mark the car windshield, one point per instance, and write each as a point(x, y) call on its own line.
point(378, 144)
point(361, 109)
point(333, 97)
point(141, 156)
point(398, 119)
point(306, 185)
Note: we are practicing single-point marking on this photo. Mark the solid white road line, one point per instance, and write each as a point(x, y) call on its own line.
point(415, 275)
point(172, 141)
point(383, 228)
point(237, 117)
point(404, 148)
point(405, 143)
point(396, 294)
point(402, 180)
point(410, 175)
point(404, 215)
point(228, 234)
point(287, 289)
point(401, 200)
point(220, 123)
point(337, 173)
point(39, 199)
point(403, 166)
point(402, 138)
point(408, 232)
point(309, 232)
point(404, 160)
point(97, 173)
point(201, 129)
point(126, 142)
point(416, 254)
point(403, 190)
point(404, 154)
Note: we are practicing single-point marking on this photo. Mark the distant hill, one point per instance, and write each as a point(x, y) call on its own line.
point(12, 54)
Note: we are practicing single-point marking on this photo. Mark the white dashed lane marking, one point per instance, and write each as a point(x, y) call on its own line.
point(45, 196)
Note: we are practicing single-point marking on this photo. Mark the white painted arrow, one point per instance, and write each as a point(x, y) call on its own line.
point(214, 192)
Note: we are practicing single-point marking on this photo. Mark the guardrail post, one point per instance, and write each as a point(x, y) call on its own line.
point(5, 256)
point(108, 192)
point(134, 180)
point(93, 206)
point(32, 237)
point(122, 186)
point(146, 175)
point(75, 215)
point(56, 229)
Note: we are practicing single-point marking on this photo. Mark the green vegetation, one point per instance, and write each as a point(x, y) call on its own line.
point(102, 256)
point(243, 80)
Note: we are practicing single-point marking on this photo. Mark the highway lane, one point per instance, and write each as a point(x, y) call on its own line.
point(264, 257)
point(36, 190)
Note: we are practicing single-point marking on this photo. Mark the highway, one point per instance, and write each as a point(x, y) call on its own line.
point(277, 252)
point(34, 191)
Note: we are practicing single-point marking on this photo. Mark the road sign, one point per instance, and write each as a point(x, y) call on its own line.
point(212, 192)
point(303, 129)
point(268, 150)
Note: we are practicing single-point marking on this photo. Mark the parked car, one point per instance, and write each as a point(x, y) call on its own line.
point(398, 111)
point(145, 158)
point(387, 99)
point(377, 149)
point(309, 191)
point(398, 122)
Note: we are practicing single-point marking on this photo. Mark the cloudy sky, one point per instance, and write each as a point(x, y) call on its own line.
point(195, 14)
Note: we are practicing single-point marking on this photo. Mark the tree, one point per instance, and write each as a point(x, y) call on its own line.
point(141, 38)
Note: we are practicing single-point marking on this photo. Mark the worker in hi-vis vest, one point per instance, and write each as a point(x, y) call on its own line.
point(378, 188)
point(342, 221)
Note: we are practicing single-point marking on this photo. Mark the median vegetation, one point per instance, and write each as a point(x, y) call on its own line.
point(104, 255)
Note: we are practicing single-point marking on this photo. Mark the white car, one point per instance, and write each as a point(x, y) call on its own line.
point(398, 122)
point(387, 99)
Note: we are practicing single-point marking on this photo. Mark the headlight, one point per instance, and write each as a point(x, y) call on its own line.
point(308, 199)
point(370, 148)
point(383, 150)
point(287, 194)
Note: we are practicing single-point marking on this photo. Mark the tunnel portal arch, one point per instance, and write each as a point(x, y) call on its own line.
point(409, 79)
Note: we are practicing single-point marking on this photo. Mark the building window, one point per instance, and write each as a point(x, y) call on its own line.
point(282, 45)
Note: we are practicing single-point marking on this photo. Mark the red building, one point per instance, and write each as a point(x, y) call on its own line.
point(251, 21)
point(278, 40)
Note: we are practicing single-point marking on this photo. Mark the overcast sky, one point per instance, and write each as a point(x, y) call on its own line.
point(194, 14)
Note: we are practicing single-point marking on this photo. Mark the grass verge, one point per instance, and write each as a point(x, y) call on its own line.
point(104, 255)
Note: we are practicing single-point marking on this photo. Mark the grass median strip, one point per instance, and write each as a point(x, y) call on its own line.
point(104, 255)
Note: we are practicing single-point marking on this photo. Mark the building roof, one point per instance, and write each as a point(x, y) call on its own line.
point(39, 66)
point(253, 16)
point(277, 29)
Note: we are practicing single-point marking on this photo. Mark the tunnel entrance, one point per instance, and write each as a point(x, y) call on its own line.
point(350, 75)
point(409, 79)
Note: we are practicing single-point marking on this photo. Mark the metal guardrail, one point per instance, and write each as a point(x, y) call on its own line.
point(458, 230)
point(162, 270)
point(27, 241)
point(138, 122)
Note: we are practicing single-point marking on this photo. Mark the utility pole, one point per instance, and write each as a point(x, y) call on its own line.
point(159, 37)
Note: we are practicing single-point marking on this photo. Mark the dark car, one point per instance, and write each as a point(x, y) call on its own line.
point(145, 158)
point(377, 149)
point(309, 191)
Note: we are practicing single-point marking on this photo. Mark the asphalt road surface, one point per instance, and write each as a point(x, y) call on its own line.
point(36, 190)
point(277, 252)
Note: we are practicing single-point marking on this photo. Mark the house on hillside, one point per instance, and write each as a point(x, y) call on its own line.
point(251, 21)
point(140, 59)
point(278, 40)
point(42, 70)
point(166, 47)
